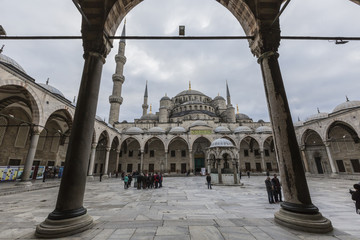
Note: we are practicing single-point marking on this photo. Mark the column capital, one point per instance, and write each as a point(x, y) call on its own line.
point(327, 144)
point(94, 54)
point(266, 39)
point(108, 149)
point(303, 147)
point(93, 145)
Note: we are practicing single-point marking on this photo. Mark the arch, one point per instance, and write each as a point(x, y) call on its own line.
point(230, 139)
point(344, 126)
point(312, 138)
point(175, 138)
point(129, 156)
point(114, 155)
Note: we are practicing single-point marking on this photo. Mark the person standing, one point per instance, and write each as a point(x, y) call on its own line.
point(45, 174)
point(270, 190)
point(248, 174)
point(277, 188)
point(126, 181)
point(355, 195)
point(208, 180)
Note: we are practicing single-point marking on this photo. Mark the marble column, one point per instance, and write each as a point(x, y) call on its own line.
point(166, 162)
point(263, 160)
point(219, 171)
point(208, 166)
point(235, 172)
point(70, 216)
point(92, 161)
point(141, 161)
point(106, 167)
point(331, 160)
point(25, 177)
point(303, 154)
point(191, 162)
point(298, 211)
point(117, 161)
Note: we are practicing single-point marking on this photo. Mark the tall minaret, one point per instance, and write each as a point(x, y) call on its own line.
point(230, 110)
point(228, 95)
point(118, 78)
point(145, 106)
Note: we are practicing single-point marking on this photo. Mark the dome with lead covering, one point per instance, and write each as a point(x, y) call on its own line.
point(317, 116)
point(242, 116)
point(52, 89)
point(156, 130)
point(222, 129)
point(190, 92)
point(221, 142)
point(149, 116)
point(10, 61)
point(243, 129)
point(199, 123)
point(133, 131)
point(264, 129)
point(346, 105)
point(177, 130)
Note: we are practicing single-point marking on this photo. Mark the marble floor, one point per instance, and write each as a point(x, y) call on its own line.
point(183, 209)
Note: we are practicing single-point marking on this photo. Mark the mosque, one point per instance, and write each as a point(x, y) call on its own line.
point(36, 122)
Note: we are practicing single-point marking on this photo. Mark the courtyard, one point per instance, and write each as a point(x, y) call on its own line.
point(182, 209)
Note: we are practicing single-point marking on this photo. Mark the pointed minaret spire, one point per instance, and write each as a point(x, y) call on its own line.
point(189, 85)
point(123, 33)
point(145, 105)
point(118, 79)
point(47, 81)
point(228, 94)
point(347, 99)
point(318, 110)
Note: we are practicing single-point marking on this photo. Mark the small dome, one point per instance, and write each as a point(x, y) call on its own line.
point(222, 129)
point(242, 116)
point(177, 130)
point(156, 130)
point(221, 142)
point(164, 98)
point(10, 61)
point(199, 123)
point(243, 129)
point(133, 131)
point(219, 98)
point(317, 116)
point(263, 129)
point(149, 116)
point(52, 89)
point(261, 121)
point(346, 105)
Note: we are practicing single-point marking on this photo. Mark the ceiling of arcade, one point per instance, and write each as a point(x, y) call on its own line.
point(104, 17)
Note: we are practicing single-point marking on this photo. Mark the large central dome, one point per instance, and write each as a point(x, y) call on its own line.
point(190, 92)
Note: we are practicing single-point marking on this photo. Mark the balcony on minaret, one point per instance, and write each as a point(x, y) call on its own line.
point(115, 99)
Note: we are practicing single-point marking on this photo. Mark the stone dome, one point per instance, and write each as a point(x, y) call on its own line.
point(199, 123)
point(10, 61)
point(263, 129)
point(150, 116)
point(52, 89)
point(317, 116)
point(156, 130)
point(242, 116)
point(177, 130)
point(165, 98)
point(218, 98)
point(243, 129)
point(222, 129)
point(189, 92)
point(346, 105)
point(221, 142)
point(133, 131)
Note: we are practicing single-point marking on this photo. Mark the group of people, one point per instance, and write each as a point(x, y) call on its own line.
point(273, 188)
point(143, 181)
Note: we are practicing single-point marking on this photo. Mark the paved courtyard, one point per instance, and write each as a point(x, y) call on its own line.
point(183, 209)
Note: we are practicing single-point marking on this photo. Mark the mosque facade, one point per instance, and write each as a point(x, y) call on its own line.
point(36, 122)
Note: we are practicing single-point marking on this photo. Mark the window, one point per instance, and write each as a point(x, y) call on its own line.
point(131, 153)
point(51, 163)
point(355, 164)
point(258, 167)
point(42, 139)
point(120, 155)
point(152, 153)
point(151, 167)
point(247, 166)
point(173, 167)
point(267, 153)
point(95, 168)
point(172, 153)
point(269, 166)
point(14, 162)
point(36, 163)
point(246, 152)
point(3, 122)
point(256, 152)
point(119, 167)
point(55, 143)
point(129, 168)
point(183, 153)
point(340, 165)
point(22, 135)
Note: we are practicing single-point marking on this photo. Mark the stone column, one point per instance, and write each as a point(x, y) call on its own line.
point(191, 163)
point(262, 160)
point(117, 161)
point(92, 161)
point(297, 211)
point(306, 164)
point(35, 133)
point(331, 160)
point(166, 162)
point(106, 167)
point(69, 216)
point(235, 172)
point(208, 166)
point(219, 171)
point(141, 160)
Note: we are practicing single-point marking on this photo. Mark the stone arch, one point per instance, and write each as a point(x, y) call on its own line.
point(130, 154)
point(177, 155)
point(113, 155)
point(199, 147)
point(103, 143)
point(230, 139)
point(346, 127)
point(154, 159)
point(175, 137)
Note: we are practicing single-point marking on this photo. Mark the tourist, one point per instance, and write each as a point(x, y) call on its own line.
point(156, 180)
point(101, 174)
point(45, 174)
point(270, 190)
point(160, 180)
point(126, 181)
point(355, 195)
point(277, 188)
point(208, 180)
point(248, 174)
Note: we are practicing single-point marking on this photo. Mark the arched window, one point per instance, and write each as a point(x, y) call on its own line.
point(3, 123)
point(42, 140)
point(55, 143)
point(22, 135)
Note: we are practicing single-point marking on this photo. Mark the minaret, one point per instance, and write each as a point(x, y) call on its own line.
point(230, 110)
point(118, 78)
point(228, 95)
point(145, 105)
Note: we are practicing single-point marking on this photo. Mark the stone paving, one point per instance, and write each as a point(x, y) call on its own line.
point(183, 209)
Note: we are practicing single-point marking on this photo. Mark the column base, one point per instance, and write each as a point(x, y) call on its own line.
point(64, 227)
point(314, 223)
point(24, 184)
point(90, 178)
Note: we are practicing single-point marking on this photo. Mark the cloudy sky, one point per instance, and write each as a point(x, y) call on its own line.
point(317, 74)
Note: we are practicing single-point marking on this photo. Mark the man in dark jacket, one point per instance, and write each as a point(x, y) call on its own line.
point(355, 195)
point(208, 180)
point(270, 190)
point(277, 188)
